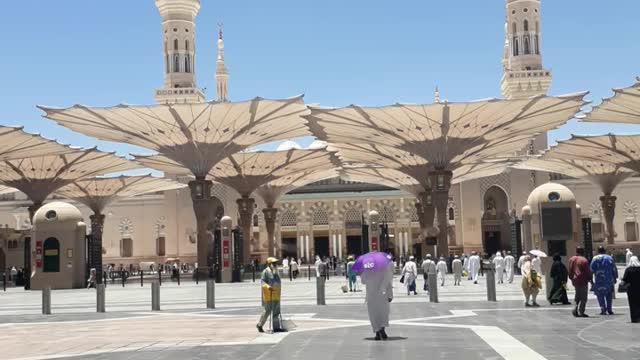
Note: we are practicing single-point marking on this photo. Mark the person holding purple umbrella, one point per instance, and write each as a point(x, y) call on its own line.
point(377, 275)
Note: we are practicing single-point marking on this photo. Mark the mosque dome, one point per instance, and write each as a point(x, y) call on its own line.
point(550, 192)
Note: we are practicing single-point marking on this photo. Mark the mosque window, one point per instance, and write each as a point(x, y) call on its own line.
point(187, 64)
point(176, 63)
point(413, 211)
point(527, 47)
point(168, 62)
point(353, 218)
point(160, 246)
point(631, 230)
point(175, 44)
point(514, 27)
point(320, 216)
point(186, 45)
point(452, 215)
point(256, 220)
point(387, 214)
point(288, 218)
point(526, 25)
point(525, 10)
point(536, 44)
point(126, 247)
point(516, 46)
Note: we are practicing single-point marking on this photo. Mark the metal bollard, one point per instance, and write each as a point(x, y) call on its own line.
point(123, 278)
point(155, 296)
point(211, 294)
point(100, 298)
point(178, 276)
point(290, 274)
point(141, 278)
point(491, 283)
point(46, 301)
point(320, 298)
point(433, 287)
point(105, 278)
point(197, 274)
point(254, 273)
point(309, 272)
point(159, 277)
point(4, 281)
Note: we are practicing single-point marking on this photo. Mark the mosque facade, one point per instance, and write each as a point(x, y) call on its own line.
point(327, 217)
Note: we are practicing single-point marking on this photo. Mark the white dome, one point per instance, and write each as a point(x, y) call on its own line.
point(317, 144)
point(57, 211)
point(550, 192)
point(288, 145)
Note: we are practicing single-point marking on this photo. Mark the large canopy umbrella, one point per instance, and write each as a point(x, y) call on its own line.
point(17, 144)
point(247, 171)
point(273, 190)
point(98, 193)
point(446, 134)
point(622, 107)
point(620, 151)
point(606, 176)
point(39, 177)
point(194, 136)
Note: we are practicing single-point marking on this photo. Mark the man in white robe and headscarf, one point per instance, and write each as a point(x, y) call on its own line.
point(509, 262)
point(441, 268)
point(474, 266)
point(379, 287)
point(628, 257)
point(317, 265)
point(410, 273)
point(498, 263)
point(456, 265)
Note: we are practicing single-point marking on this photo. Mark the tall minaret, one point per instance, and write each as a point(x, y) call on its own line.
point(222, 75)
point(178, 34)
point(523, 74)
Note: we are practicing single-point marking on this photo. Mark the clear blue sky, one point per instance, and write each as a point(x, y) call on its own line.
point(337, 52)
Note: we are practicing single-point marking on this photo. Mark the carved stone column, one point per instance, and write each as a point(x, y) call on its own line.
point(270, 223)
point(609, 208)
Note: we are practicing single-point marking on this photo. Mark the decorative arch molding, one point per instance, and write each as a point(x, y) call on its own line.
point(595, 211)
point(160, 226)
point(501, 181)
point(319, 213)
point(388, 210)
point(350, 205)
point(288, 215)
point(630, 209)
point(126, 228)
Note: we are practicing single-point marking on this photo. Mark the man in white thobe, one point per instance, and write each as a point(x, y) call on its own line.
point(456, 265)
point(521, 261)
point(536, 264)
point(428, 267)
point(509, 262)
point(474, 266)
point(318, 264)
point(628, 257)
point(379, 285)
point(465, 266)
point(442, 270)
point(498, 263)
point(410, 273)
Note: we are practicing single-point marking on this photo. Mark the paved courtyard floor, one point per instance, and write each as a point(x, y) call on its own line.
point(462, 326)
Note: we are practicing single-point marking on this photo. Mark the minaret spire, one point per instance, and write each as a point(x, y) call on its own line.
point(222, 75)
point(436, 96)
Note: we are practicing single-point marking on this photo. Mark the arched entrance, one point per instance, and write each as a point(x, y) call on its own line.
point(495, 221)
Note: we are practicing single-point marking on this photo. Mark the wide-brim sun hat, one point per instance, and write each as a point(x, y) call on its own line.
point(271, 260)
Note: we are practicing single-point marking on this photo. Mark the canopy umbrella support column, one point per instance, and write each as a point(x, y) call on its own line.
point(33, 209)
point(440, 185)
point(270, 222)
point(609, 207)
point(245, 210)
point(95, 250)
point(205, 214)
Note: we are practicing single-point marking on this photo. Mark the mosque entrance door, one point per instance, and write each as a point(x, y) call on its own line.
point(289, 248)
point(321, 246)
point(492, 242)
point(354, 245)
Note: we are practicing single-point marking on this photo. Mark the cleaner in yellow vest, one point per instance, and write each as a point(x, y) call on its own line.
point(271, 296)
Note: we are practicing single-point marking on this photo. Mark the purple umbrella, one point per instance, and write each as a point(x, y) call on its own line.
point(372, 261)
